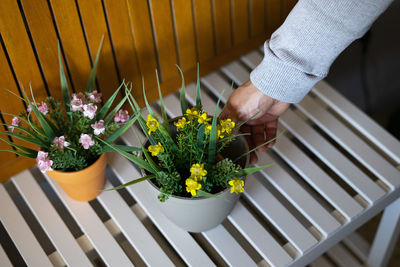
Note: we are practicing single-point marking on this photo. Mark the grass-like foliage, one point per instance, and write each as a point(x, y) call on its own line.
point(62, 133)
point(185, 157)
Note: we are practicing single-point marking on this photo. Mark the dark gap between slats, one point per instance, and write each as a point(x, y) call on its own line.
point(352, 253)
point(33, 47)
point(155, 42)
point(214, 26)
point(247, 67)
point(10, 249)
point(30, 219)
point(113, 179)
point(228, 79)
point(178, 56)
point(196, 45)
point(249, 31)
point(242, 241)
point(329, 260)
point(204, 90)
point(111, 42)
point(209, 249)
point(356, 131)
point(231, 11)
point(68, 73)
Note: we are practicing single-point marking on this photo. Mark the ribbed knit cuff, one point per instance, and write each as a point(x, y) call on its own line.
point(280, 80)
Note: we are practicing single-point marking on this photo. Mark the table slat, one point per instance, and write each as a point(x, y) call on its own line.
point(236, 72)
point(361, 183)
point(317, 178)
point(278, 215)
point(4, 260)
point(321, 262)
point(252, 59)
point(233, 254)
point(342, 257)
point(351, 142)
point(216, 84)
point(49, 219)
point(133, 229)
point(181, 240)
point(207, 102)
point(20, 233)
point(102, 240)
point(258, 237)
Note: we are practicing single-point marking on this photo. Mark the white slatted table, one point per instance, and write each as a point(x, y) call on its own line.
point(335, 169)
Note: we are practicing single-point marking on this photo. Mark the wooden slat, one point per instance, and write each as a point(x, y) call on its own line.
point(234, 255)
point(252, 59)
point(181, 240)
point(342, 257)
point(185, 33)
point(49, 219)
point(123, 41)
point(257, 18)
point(278, 215)
point(143, 38)
point(95, 27)
point(20, 233)
point(19, 48)
point(298, 196)
point(133, 229)
point(222, 24)
point(4, 260)
point(326, 152)
point(171, 107)
point(204, 29)
point(317, 178)
point(73, 41)
point(258, 237)
point(165, 38)
point(364, 124)
point(216, 84)
point(102, 240)
point(236, 72)
point(351, 142)
point(206, 100)
point(240, 21)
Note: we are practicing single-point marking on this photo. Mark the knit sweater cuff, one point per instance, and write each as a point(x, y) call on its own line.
point(280, 80)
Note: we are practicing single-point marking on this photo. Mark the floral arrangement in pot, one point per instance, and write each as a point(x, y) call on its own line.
point(62, 135)
point(195, 164)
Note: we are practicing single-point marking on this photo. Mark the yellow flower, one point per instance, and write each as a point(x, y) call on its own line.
point(181, 123)
point(208, 128)
point(192, 113)
point(203, 118)
point(156, 149)
point(152, 124)
point(219, 133)
point(227, 125)
point(197, 171)
point(237, 186)
point(192, 186)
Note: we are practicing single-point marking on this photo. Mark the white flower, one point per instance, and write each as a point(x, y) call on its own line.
point(86, 140)
point(89, 110)
point(43, 161)
point(98, 127)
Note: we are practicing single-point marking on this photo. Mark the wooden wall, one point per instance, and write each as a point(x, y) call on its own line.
point(140, 36)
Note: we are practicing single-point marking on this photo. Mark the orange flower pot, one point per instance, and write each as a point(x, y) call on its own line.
point(83, 185)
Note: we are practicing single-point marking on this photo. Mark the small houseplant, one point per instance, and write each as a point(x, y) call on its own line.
point(195, 164)
point(62, 135)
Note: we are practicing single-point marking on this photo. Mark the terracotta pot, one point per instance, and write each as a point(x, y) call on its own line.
point(83, 185)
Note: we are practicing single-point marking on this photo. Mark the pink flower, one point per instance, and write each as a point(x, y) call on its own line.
point(95, 97)
point(121, 116)
point(43, 161)
point(60, 142)
point(89, 110)
point(98, 127)
point(14, 122)
point(77, 101)
point(79, 96)
point(43, 108)
point(29, 109)
point(86, 140)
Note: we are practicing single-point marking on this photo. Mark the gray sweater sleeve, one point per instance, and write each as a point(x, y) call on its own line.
point(300, 52)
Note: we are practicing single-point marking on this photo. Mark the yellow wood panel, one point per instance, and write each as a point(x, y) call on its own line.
point(257, 17)
point(19, 48)
point(95, 26)
point(73, 41)
point(185, 33)
point(240, 21)
point(273, 14)
point(14, 166)
point(204, 29)
point(222, 21)
point(164, 35)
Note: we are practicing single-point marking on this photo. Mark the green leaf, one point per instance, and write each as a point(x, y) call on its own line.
point(232, 136)
point(182, 93)
point(164, 114)
point(168, 138)
point(145, 101)
point(25, 138)
point(24, 149)
point(19, 153)
point(151, 176)
point(248, 171)
point(115, 110)
point(213, 135)
point(92, 77)
point(33, 134)
point(200, 137)
point(122, 129)
point(201, 193)
point(63, 80)
point(107, 105)
point(123, 148)
point(198, 96)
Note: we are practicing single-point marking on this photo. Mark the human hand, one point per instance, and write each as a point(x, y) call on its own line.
point(245, 102)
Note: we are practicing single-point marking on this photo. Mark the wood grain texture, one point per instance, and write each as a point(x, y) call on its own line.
point(204, 29)
point(257, 17)
point(240, 13)
point(273, 16)
point(182, 10)
point(222, 24)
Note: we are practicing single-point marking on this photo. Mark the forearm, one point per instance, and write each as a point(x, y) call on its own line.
point(301, 51)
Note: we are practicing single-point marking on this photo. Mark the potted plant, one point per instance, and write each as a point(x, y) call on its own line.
point(62, 135)
point(195, 164)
